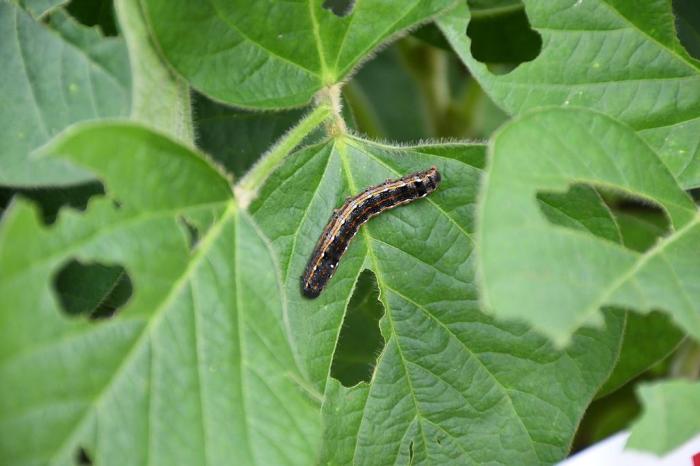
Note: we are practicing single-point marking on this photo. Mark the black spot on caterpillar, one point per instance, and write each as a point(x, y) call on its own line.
point(347, 220)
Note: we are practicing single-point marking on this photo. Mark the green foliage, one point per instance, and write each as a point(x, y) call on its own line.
point(38, 8)
point(292, 48)
point(53, 75)
point(201, 322)
point(669, 418)
point(440, 351)
point(619, 57)
point(236, 138)
point(520, 252)
point(157, 318)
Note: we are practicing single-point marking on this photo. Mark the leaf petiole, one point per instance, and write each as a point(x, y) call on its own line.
point(246, 189)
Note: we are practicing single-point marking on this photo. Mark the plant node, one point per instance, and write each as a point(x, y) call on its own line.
point(330, 96)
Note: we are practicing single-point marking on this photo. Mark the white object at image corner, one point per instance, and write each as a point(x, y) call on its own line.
point(611, 452)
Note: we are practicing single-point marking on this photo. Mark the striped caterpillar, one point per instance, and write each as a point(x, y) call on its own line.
point(347, 220)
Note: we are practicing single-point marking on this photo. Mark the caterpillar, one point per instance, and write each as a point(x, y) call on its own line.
point(346, 221)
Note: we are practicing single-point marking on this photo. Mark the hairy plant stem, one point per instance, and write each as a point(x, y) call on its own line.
point(159, 99)
point(331, 97)
point(247, 188)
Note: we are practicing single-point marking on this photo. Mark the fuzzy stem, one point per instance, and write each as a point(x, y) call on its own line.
point(331, 97)
point(248, 186)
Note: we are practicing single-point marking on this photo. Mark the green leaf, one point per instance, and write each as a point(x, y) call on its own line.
point(621, 58)
point(582, 209)
point(670, 416)
point(271, 54)
point(39, 8)
point(451, 385)
point(500, 32)
point(387, 101)
point(648, 338)
point(360, 340)
point(197, 367)
point(93, 290)
point(641, 230)
point(237, 138)
point(494, 7)
point(688, 24)
point(51, 200)
point(95, 13)
point(53, 77)
point(529, 267)
point(161, 100)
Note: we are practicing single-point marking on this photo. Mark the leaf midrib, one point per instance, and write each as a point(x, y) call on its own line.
point(203, 248)
point(382, 285)
point(634, 26)
point(139, 217)
point(357, 145)
point(233, 26)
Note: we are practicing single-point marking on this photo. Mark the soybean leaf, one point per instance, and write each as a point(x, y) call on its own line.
point(621, 58)
point(51, 200)
point(387, 101)
point(688, 24)
point(95, 13)
point(271, 54)
point(161, 99)
point(669, 418)
point(38, 8)
point(451, 384)
point(360, 340)
point(640, 230)
point(93, 290)
point(54, 76)
point(500, 32)
point(648, 338)
point(237, 138)
point(528, 266)
point(195, 369)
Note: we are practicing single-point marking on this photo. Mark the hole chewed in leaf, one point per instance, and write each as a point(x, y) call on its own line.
point(94, 290)
point(641, 224)
point(607, 214)
point(339, 7)
point(191, 231)
point(502, 36)
point(360, 339)
point(82, 458)
point(579, 208)
point(687, 13)
point(695, 193)
point(51, 200)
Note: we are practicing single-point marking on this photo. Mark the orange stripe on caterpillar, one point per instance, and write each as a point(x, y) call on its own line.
point(356, 211)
